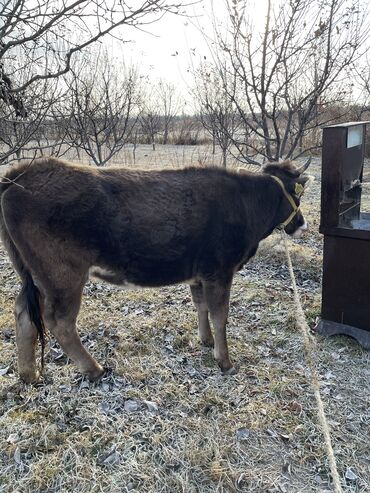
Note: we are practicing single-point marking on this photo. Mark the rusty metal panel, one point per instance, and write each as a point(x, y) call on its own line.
point(333, 142)
point(346, 281)
point(346, 228)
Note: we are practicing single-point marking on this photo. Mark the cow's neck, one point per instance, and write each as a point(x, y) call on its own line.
point(264, 200)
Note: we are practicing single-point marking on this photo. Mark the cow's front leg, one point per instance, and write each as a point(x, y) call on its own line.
point(26, 337)
point(204, 329)
point(217, 295)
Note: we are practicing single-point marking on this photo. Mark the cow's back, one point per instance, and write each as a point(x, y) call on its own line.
point(153, 227)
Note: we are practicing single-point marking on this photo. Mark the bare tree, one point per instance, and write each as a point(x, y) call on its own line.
point(27, 135)
point(188, 130)
point(150, 116)
point(361, 90)
point(169, 104)
point(286, 72)
point(216, 109)
point(160, 107)
point(102, 107)
point(150, 122)
point(39, 39)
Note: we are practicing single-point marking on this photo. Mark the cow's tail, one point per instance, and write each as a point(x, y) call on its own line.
point(30, 291)
point(33, 300)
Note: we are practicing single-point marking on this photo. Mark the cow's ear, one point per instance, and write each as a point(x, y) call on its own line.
point(305, 181)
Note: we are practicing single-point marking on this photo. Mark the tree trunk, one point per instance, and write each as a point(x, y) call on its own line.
point(224, 153)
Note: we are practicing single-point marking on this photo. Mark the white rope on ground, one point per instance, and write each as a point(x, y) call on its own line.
point(310, 346)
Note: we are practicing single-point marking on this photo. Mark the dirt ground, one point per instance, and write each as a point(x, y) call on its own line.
point(164, 419)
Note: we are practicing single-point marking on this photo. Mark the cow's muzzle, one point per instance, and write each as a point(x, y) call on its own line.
point(302, 229)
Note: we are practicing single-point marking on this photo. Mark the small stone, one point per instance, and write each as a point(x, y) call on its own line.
point(318, 479)
point(17, 456)
point(334, 424)
point(4, 371)
point(13, 438)
point(272, 433)
point(84, 385)
point(242, 434)
point(113, 459)
point(65, 388)
point(105, 407)
point(286, 437)
point(131, 406)
point(240, 479)
point(295, 407)
point(152, 406)
point(350, 475)
point(339, 397)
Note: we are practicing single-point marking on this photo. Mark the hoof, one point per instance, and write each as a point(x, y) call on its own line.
point(208, 343)
point(230, 371)
point(96, 375)
point(108, 371)
point(30, 377)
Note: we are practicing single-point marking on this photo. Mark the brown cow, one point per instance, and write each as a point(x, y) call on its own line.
point(61, 222)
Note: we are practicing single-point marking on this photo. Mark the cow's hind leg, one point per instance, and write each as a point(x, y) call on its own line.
point(60, 317)
point(217, 295)
point(204, 329)
point(58, 269)
point(26, 338)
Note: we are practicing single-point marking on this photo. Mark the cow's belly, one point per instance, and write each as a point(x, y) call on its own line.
point(162, 275)
point(111, 276)
point(171, 264)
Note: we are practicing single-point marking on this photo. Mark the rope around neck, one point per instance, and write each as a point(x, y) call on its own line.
point(310, 346)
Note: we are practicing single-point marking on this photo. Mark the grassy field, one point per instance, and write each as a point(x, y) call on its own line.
point(164, 419)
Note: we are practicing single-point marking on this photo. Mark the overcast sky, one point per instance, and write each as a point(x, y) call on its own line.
point(172, 44)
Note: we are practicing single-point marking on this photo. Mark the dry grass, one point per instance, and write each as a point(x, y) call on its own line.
point(164, 419)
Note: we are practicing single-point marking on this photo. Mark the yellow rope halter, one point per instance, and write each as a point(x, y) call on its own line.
point(299, 190)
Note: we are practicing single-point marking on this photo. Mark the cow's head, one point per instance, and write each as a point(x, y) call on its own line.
point(292, 182)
